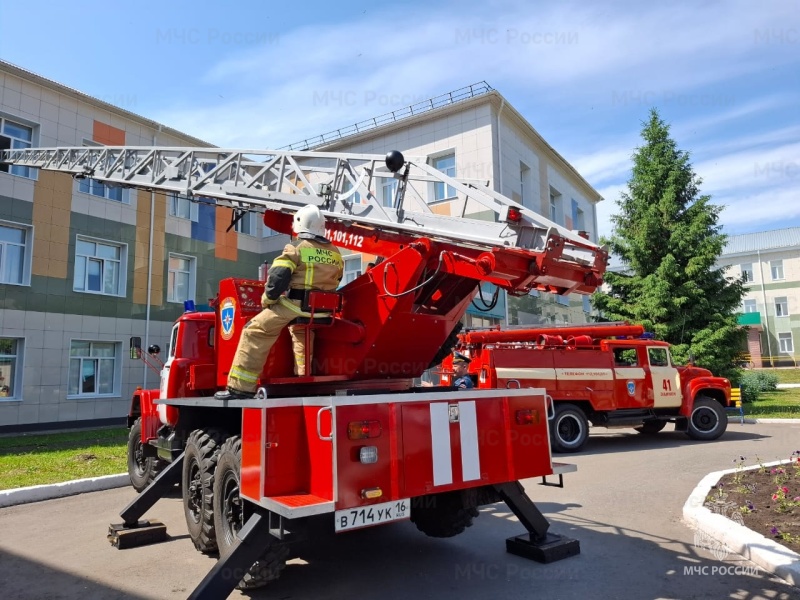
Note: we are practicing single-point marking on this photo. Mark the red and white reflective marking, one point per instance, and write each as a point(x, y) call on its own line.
point(442, 451)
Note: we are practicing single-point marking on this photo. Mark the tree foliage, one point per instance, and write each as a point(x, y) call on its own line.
point(668, 238)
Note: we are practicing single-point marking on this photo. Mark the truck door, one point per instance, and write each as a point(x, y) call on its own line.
point(630, 382)
point(665, 377)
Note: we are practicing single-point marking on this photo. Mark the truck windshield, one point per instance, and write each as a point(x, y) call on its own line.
point(173, 341)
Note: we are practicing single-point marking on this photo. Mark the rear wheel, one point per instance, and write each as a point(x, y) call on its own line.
point(231, 513)
point(569, 428)
point(199, 466)
point(444, 515)
point(141, 469)
point(708, 420)
point(651, 427)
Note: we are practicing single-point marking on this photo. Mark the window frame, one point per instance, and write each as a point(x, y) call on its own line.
point(192, 279)
point(92, 184)
point(122, 270)
point(18, 170)
point(786, 348)
point(116, 370)
point(776, 266)
point(352, 258)
point(388, 191)
point(747, 303)
point(15, 386)
point(658, 349)
point(27, 253)
point(748, 275)
point(175, 200)
point(252, 224)
point(441, 191)
point(782, 306)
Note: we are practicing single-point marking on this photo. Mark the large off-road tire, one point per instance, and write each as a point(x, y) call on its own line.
point(708, 420)
point(142, 470)
point(231, 513)
point(199, 465)
point(569, 428)
point(651, 427)
point(444, 515)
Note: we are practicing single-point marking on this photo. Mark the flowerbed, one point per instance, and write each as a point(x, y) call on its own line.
point(765, 499)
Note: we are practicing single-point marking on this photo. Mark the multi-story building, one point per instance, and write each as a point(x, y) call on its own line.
point(84, 266)
point(475, 133)
point(769, 261)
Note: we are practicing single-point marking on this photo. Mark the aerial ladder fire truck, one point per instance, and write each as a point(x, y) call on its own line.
point(354, 438)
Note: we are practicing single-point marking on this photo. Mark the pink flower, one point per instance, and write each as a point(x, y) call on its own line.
point(785, 490)
point(774, 496)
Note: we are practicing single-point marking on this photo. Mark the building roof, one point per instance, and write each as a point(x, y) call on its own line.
point(434, 108)
point(73, 93)
point(763, 240)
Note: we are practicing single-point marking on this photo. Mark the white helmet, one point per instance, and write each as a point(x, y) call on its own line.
point(309, 220)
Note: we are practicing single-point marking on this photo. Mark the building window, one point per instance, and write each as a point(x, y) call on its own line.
point(102, 190)
point(10, 361)
point(750, 306)
point(447, 165)
point(15, 253)
point(785, 343)
point(388, 190)
point(181, 278)
point(555, 205)
point(747, 272)
point(524, 183)
point(100, 267)
point(781, 307)
point(352, 268)
point(776, 266)
point(180, 206)
point(15, 136)
point(587, 304)
point(92, 368)
point(248, 224)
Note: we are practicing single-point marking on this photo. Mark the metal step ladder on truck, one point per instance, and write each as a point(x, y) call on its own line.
point(354, 440)
point(609, 375)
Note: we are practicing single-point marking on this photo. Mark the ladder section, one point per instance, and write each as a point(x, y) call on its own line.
point(384, 197)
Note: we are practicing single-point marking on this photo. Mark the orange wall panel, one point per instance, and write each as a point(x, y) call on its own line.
point(107, 135)
point(226, 245)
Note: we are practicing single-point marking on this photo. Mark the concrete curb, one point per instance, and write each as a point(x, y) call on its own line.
point(764, 552)
point(36, 493)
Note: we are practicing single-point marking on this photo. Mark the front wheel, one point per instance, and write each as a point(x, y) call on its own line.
point(141, 469)
point(231, 513)
point(199, 466)
point(708, 420)
point(569, 428)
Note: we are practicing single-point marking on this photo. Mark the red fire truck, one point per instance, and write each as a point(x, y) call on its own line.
point(609, 375)
point(354, 441)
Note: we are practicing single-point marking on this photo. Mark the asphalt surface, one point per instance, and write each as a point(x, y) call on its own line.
point(623, 505)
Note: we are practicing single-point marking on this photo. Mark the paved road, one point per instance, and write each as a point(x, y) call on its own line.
point(624, 505)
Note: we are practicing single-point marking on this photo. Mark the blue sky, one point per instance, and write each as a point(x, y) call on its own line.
point(725, 75)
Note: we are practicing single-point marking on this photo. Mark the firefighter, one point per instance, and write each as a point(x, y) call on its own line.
point(462, 379)
point(311, 264)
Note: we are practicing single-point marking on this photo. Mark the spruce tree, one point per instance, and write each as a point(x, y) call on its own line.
point(668, 238)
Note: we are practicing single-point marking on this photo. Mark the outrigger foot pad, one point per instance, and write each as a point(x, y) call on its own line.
point(140, 534)
point(550, 549)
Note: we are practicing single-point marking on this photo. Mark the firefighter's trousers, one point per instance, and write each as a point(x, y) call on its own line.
point(257, 339)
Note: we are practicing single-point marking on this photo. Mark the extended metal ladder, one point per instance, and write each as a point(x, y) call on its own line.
point(342, 185)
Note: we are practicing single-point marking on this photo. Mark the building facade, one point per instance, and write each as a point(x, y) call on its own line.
point(83, 266)
point(769, 262)
point(475, 133)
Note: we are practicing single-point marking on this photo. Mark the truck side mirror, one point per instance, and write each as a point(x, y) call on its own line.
point(136, 347)
point(154, 349)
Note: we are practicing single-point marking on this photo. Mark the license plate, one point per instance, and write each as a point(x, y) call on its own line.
point(374, 514)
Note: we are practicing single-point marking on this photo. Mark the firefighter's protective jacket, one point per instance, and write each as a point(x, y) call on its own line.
point(311, 264)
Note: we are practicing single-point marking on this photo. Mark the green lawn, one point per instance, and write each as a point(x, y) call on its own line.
point(780, 404)
point(784, 375)
point(36, 459)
